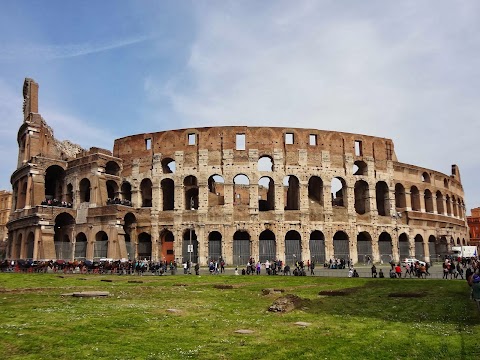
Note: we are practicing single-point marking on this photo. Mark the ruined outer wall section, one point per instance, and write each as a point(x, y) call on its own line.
point(203, 152)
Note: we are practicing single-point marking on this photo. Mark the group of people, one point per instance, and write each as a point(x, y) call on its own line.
point(277, 267)
point(117, 201)
point(55, 202)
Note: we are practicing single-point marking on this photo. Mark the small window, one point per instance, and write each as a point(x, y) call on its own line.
point(192, 139)
point(148, 144)
point(358, 148)
point(389, 151)
point(289, 138)
point(313, 139)
point(169, 252)
point(240, 144)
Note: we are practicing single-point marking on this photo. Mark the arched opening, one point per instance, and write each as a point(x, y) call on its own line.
point(241, 248)
point(383, 201)
point(265, 163)
point(267, 246)
point(415, 198)
point(400, 197)
point(293, 247)
point(291, 187)
point(100, 249)
point(266, 194)
point(80, 246)
point(54, 179)
point(432, 249)
point(425, 177)
point(317, 247)
point(404, 246)
point(341, 245)
point(362, 199)
point(85, 190)
point(17, 247)
point(241, 190)
point(190, 242)
point(144, 246)
point(364, 248)
point(428, 198)
point(191, 192)
point(442, 247)
point(168, 194)
point(449, 205)
point(126, 191)
point(63, 228)
point(440, 202)
point(315, 191)
point(339, 192)
point(385, 247)
point(360, 168)
point(214, 246)
point(216, 190)
point(112, 190)
point(30, 245)
point(69, 198)
point(146, 192)
point(419, 251)
point(167, 240)
point(112, 168)
point(23, 195)
point(130, 228)
point(168, 166)
point(454, 206)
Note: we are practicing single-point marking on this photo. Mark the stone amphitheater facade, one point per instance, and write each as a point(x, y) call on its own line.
point(228, 192)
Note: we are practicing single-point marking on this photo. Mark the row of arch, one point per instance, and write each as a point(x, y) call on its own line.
point(449, 205)
point(242, 249)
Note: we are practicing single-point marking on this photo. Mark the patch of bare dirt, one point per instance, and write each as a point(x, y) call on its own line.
point(286, 303)
point(343, 292)
point(407, 295)
point(223, 286)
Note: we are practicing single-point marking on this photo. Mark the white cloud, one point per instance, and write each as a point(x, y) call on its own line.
point(48, 51)
point(394, 71)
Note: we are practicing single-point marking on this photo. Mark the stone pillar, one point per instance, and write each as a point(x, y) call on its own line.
point(375, 250)
point(353, 249)
point(408, 200)
point(395, 247)
point(203, 195)
point(154, 236)
point(28, 195)
point(329, 252)
point(36, 243)
point(305, 243)
point(421, 198)
point(426, 250)
point(227, 244)
point(434, 202)
point(202, 245)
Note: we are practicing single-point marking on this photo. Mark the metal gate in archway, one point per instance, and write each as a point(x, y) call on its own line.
point(241, 252)
point(293, 251)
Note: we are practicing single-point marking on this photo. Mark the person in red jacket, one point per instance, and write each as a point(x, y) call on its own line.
point(398, 271)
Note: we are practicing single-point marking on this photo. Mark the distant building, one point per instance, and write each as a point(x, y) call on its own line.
point(474, 225)
point(5, 207)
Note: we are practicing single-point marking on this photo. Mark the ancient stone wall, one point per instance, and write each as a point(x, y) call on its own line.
point(233, 192)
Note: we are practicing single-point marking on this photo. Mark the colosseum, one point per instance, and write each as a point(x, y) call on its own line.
point(231, 192)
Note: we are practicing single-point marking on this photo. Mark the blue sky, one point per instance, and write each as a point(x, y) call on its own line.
point(405, 70)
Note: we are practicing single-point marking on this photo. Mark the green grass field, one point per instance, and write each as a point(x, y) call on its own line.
point(370, 319)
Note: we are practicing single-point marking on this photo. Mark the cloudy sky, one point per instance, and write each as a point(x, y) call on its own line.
point(405, 70)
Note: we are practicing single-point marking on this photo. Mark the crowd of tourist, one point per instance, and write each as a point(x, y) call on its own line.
point(117, 201)
point(55, 202)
